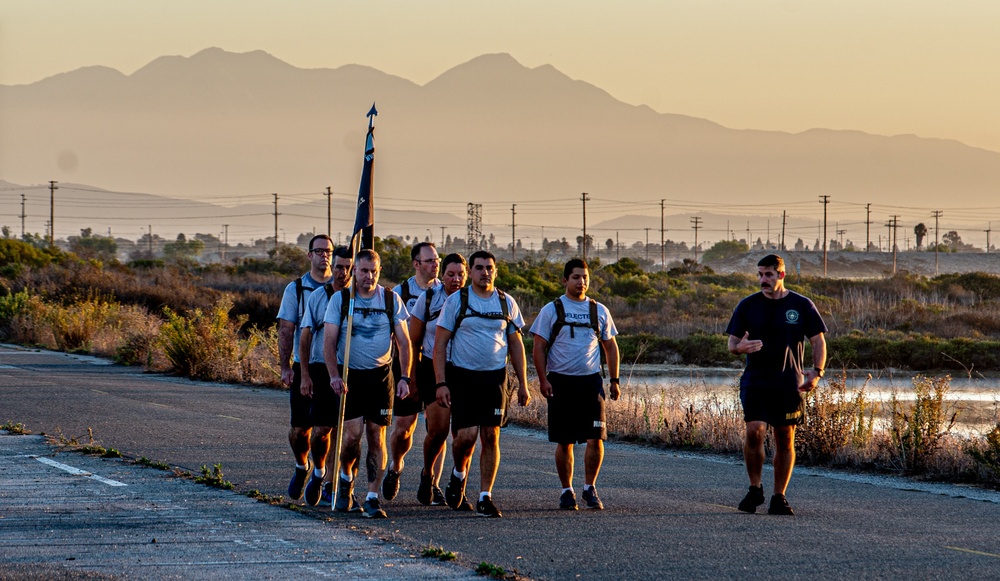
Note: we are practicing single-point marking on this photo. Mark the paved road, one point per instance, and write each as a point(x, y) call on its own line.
point(669, 515)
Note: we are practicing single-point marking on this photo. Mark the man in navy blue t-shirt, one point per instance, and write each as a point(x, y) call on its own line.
point(771, 328)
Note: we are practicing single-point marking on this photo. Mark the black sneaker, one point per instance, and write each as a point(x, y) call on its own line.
point(591, 499)
point(326, 499)
point(346, 501)
point(373, 509)
point(567, 500)
point(437, 496)
point(779, 506)
point(753, 499)
point(390, 484)
point(424, 494)
point(486, 508)
point(314, 489)
point(455, 492)
point(298, 483)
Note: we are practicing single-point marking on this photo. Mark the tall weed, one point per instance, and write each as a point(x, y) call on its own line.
point(207, 345)
point(917, 430)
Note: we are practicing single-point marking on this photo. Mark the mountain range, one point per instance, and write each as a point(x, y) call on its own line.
point(229, 129)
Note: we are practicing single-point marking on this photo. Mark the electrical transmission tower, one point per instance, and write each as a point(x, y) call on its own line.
point(474, 230)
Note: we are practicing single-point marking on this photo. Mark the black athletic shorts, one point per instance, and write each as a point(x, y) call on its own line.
point(576, 408)
point(301, 406)
point(325, 404)
point(777, 406)
point(478, 398)
point(369, 394)
point(426, 380)
point(408, 406)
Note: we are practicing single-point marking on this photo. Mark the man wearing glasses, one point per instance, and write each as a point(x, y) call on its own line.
point(425, 265)
point(290, 314)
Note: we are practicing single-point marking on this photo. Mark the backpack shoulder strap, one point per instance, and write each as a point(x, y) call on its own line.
point(329, 290)
point(463, 307)
point(427, 301)
point(560, 321)
point(595, 323)
point(345, 303)
point(299, 291)
point(404, 292)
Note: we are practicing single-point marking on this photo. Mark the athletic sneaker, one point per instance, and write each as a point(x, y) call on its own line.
point(591, 499)
point(753, 499)
point(326, 499)
point(424, 494)
point(390, 484)
point(346, 501)
point(567, 500)
point(373, 509)
point(298, 483)
point(437, 496)
point(314, 489)
point(455, 492)
point(779, 506)
point(487, 509)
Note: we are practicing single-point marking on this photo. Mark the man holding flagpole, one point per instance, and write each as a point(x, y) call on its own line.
point(377, 317)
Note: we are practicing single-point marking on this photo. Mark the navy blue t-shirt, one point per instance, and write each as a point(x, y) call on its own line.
point(783, 325)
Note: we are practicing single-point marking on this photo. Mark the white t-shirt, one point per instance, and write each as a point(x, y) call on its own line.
point(371, 344)
point(480, 344)
point(292, 311)
point(313, 320)
point(419, 311)
point(576, 351)
point(415, 290)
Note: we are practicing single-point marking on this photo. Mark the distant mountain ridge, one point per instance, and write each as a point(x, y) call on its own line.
point(490, 130)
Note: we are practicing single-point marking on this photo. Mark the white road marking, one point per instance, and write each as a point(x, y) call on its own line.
point(8, 367)
point(78, 472)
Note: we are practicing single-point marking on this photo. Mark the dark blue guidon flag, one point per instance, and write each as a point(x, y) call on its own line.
point(364, 222)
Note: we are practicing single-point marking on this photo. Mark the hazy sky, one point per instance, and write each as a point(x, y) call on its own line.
point(930, 68)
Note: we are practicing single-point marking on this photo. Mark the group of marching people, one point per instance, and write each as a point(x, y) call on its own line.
point(437, 345)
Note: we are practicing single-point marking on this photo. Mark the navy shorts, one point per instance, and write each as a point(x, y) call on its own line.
point(777, 406)
point(426, 380)
point(478, 398)
point(325, 404)
point(369, 394)
point(301, 406)
point(576, 408)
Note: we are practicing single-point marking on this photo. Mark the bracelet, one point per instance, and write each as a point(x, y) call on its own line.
point(405, 378)
point(441, 384)
point(615, 380)
point(819, 371)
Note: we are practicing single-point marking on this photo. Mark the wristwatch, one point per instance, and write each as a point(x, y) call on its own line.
point(405, 378)
point(615, 380)
point(819, 371)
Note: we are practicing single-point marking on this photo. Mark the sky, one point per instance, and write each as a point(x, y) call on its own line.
point(928, 68)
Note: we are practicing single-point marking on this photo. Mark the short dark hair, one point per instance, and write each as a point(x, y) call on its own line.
point(482, 254)
point(368, 254)
point(319, 237)
point(453, 258)
point(574, 263)
point(773, 260)
point(415, 251)
point(342, 252)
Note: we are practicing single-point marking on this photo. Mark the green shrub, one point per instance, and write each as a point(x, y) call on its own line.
point(917, 429)
point(207, 346)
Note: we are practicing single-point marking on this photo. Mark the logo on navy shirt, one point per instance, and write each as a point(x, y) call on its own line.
point(791, 316)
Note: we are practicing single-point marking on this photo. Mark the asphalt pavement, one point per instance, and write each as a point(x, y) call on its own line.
point(669, 514)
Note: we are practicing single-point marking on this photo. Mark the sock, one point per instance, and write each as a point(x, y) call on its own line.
point(302, 466)
point(346, 478)
point(371, 495)
point(587, 486)
point(459, 475)
point(569, 489)
point(318, 473)
point(483, 495)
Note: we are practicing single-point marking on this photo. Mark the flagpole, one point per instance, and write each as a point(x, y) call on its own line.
point(363, 220)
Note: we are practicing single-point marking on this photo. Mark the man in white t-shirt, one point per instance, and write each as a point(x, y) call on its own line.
point(570, 335)
point(478, 329)
point(379, 317)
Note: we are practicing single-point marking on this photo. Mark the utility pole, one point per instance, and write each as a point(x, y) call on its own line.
point(442, 239)
point(23, 216)
point(225, 247)
point(329, 211)
point(696, 224)
point(989, 228)
point(583, 198)
point(618, 248)
point(937, 243)
point(868, 226)
point(647, 243)
point(275, 221)
point(895, 246)
point(52, 212)
point(783, 222)
point(513, 238)
point(149, 237)
point(663, 258)
point(825, 200)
